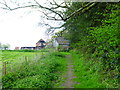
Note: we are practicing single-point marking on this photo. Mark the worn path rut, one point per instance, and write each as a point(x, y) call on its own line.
point(69, 75)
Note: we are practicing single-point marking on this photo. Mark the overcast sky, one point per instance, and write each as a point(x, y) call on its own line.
point(20, 28)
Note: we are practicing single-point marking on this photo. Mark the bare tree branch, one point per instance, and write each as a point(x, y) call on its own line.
point(45, 24)
point(58, 5)
point(81, 10)
point(76, 12)
point(23, 7)
point(50, 17)
point(50, 28)
point(5, 4)
point(50, 10)
point(9, 8)
point(60, 15)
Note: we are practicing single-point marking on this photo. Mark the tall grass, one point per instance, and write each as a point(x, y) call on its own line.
point(14, 58)
point(0, 69)
point(90, 73)
point(42, 73)
point(86, 72)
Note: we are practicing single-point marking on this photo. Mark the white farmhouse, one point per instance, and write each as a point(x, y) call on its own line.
point(60, 43)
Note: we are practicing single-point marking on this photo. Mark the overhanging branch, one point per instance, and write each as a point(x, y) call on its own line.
point(81, 10)
point(52, 10)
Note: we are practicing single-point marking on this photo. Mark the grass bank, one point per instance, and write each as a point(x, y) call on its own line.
point(89, 73)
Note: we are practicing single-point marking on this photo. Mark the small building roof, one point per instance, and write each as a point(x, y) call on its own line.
point(28, 47)
point(41, 40)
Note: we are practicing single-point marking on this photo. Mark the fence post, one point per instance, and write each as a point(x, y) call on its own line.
point(1, 73)
point(4, 68)
point(1, 69)
point(26, 59)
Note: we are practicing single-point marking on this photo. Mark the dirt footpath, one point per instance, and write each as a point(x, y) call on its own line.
point(69, 74)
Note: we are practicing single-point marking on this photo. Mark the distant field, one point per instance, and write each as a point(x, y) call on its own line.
point(14, 58)
point(10, 55)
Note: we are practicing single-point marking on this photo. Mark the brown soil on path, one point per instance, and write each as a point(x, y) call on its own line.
point(69, 74)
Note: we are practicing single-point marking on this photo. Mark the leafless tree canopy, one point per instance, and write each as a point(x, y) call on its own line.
point(54, 11)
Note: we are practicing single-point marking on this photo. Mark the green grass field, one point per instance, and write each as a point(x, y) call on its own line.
point(32, 69)
point(14, 58)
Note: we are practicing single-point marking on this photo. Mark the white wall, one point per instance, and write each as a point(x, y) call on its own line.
point(55, 43)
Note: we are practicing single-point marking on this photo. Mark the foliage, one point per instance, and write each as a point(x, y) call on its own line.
point(106, 40)
point(4, 46)
point(95, 34)
point(89, 73)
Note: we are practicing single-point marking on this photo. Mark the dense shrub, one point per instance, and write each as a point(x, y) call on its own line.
point(95, 34)
point(106, 40)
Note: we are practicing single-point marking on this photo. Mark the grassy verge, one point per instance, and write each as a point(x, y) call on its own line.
point(90, 73)
point(42, 73)
point(86, 72)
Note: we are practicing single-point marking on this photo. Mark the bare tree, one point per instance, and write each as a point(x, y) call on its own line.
point(53, 11)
